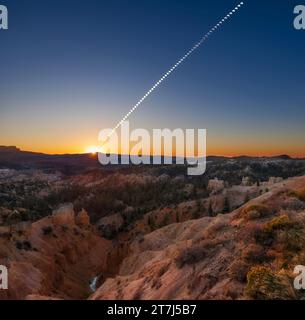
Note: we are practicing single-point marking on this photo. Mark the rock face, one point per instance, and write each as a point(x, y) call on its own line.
point(273, 180)
point(109, 226)
point(175, 252)
point(64, 215)
point(240, 255)
point(246, 181)
point(216, 186)
point(56, 257)
point(168, 264)
point(82, 219)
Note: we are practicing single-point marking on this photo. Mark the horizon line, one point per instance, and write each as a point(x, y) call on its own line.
point(275, 155)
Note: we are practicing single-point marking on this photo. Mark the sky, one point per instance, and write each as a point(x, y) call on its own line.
point(71, 68)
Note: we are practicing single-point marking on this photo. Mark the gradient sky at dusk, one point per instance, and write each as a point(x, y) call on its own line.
point(71, 68)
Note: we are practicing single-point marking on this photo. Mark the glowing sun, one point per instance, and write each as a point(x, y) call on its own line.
point(93, 150)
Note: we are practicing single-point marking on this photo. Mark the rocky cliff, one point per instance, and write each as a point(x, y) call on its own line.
point(56, 256)
point(247, 254)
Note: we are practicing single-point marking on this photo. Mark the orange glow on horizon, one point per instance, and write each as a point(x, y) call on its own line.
point(264, 152)
point(93, 150)
point(231, 147)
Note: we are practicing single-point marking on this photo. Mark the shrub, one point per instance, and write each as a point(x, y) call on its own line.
point(226, 205)
point(295, 239)
point(18, 245)
point(166, 220)
point(281, 222)
point(300, 194)
point(250, 231)
point(195, 214)
point(239, 270)
point(254, 254)
point(294, 204)
point(152, 223)
point(263, 284)
point(108, 231)
point(24, 245)
point(266, 235)
point(47, 230)
point(191, 256)
point(163, 270)
point(64, 228)
point(261, 236)
point(254, 212)
point(27, 245)
point(210, 210)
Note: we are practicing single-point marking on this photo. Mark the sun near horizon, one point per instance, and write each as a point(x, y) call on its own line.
point(94, 150)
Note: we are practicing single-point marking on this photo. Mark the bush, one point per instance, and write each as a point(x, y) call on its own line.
point(281, 222)
point(262, 237)
point(239, 270)
point(108, 231)
point(300, 194)
point(47, 230)
point(267, 234)
point(226, 205)
point(166, 220)
point(295, 239)
point(27, 245)
point(24, 245)
point(293, 204)
point(196, 214)
point(191, 256)
point(263, 284)
point(152, 223)
point(254, 212)
point(64, 228)
point(254, 254)
point(18, 245)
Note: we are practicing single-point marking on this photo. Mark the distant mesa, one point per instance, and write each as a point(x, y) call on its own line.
point(284, 157)
point(9, 149)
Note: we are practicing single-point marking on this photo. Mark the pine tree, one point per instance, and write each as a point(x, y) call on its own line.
point(226, 205)
point(210, 210)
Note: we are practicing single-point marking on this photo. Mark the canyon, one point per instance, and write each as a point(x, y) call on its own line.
point(153, 233)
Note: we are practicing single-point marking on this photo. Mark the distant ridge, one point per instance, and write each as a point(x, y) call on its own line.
point(9, 149)
point(282, 157)
point(14, 158)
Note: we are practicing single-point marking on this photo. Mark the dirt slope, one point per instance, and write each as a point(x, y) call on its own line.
point(247, 254)
point(56, 256)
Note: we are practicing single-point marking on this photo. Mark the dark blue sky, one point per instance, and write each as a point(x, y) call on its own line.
point(70, 68)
